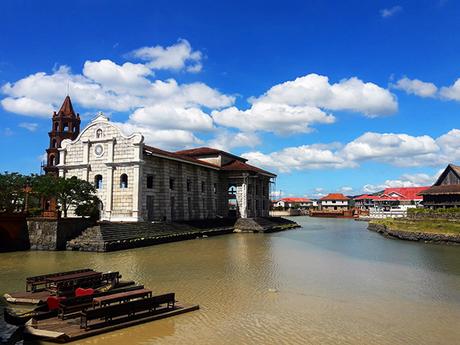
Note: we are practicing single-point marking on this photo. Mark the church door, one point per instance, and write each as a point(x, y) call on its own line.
point(150, 208)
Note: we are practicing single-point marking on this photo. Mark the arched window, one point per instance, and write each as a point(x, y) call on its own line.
point(99, 133)
point(52, 160)
point(98, 181)
point(56, 126)
point(65, 127)
point(54, 143)
point(124, 181)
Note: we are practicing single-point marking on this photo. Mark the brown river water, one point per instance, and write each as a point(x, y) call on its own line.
point(336, 283)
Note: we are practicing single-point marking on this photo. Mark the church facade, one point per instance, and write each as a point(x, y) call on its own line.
point(137, 182)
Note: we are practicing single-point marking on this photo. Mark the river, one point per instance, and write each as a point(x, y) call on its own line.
point(335, 282)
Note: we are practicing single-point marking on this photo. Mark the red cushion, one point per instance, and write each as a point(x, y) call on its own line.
point(53, 302)
point(83, 292)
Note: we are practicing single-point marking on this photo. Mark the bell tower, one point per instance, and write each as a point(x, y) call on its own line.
point(65, 125)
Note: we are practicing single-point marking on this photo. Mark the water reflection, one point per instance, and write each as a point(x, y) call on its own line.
point(337, 284)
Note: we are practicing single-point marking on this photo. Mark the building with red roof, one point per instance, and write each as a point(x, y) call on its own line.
point(293, 202)
point(334, 202)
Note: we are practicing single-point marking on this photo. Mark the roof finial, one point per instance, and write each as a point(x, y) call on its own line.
point(68, 88)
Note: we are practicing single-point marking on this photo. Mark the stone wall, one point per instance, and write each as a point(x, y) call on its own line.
point(13, 232)
point(50, 234)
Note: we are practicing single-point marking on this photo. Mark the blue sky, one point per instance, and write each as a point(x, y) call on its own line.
point(345, 96)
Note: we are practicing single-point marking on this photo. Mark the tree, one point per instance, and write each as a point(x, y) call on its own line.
point(71, 192)
point(12, 193)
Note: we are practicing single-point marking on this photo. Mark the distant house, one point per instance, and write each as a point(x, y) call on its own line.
point(399, 198)
point(293, 203)
point(445, 192)
point(334, 202)
point(364, 202)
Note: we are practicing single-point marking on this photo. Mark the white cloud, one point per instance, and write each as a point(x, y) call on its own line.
point(346, 189)
point(26, 106)
point(32, 127)
point(118, 78)
point(389, 12)
point(416, 87)
point(451, 92)
point(271, 117)
point(227, 140)
point(164, 116)
point(397, 149)
point(401, 150)
point(349, 94)
point(299, 158)
point(175, 57)
point(168, 139)
point(406, 180)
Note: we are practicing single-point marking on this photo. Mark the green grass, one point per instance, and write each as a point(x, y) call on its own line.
point(427, 226)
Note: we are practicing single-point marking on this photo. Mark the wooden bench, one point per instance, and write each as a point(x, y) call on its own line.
point(128, 309)
point(73, 305)
point(32, 283)
point(70, 282)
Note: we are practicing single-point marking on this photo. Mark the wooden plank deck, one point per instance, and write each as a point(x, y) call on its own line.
point(63, 331)
point(27, 297)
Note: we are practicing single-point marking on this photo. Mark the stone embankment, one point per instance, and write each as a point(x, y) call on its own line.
point(414, 235)
point(111, 236)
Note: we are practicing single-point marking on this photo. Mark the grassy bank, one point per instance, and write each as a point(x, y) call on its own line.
point(432, 226)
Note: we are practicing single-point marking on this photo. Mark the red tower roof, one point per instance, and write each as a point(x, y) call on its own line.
point(66, 108)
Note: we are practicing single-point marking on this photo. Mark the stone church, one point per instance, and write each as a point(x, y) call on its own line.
point(137, 182)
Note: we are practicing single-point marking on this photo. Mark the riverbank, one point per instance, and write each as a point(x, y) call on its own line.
point(433, 230)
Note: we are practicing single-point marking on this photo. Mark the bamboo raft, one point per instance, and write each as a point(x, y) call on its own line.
point(63, 331)
point(79, 304)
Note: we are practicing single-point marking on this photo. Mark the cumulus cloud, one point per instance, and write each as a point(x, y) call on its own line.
point(175, 57)
point(416, 87)
point(397, 149)
point(389, 12)
point(406, 180)
point(401, 150)
point(299, 158)
point(348, 94)
point(451, 92)
point(32, 127)
point(271, 117)
point(227, 140)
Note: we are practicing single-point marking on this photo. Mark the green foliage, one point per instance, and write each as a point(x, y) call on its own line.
point(68, 192)
point(12, 192)
point(71, 192)
point(452, 210)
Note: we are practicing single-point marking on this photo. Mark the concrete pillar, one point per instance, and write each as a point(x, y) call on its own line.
point(137, 173)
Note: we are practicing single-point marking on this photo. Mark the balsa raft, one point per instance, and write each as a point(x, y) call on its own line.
point(80, 305)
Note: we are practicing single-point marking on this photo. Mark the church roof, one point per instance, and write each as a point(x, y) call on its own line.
point(66, 108)
point(237, 165)
point(234, 165)
point(207, 151)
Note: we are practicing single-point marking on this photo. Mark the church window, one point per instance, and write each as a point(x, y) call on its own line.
point(99, 133)
point(54, 143)
point(65, 127)
point(98, 181)
point(171, 183)
point(52, 160)
point(149, 181)
point(124, 181)
point(56, 126)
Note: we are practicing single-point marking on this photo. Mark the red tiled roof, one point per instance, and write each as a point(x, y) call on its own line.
point(294, 200)
point(174, 155)
point(364, 197)
point(234, 165)
point(206, 151)
point(405, 193)
point(335, 196)
point(237, 165)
